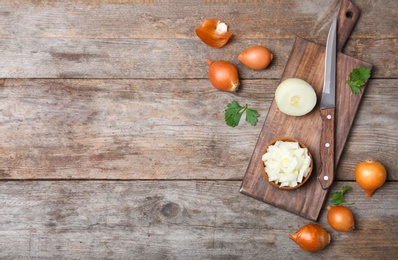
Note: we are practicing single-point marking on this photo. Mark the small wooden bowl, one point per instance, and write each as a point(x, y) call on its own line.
point(286, 139)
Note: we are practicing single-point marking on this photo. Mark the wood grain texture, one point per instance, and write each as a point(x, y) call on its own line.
point(307, 62)
point(113, 143)
point(122, 39)
point(123, 129)
point(176, 220)
point(347, 17)
point(160, 58)
point(163, 129)
point(375, 125)
point(326, 148)
point(154, 19)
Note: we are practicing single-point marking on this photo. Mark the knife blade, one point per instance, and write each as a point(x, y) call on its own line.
point(327, 107)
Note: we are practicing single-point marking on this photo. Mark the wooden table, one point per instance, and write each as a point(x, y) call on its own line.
point(114, 145)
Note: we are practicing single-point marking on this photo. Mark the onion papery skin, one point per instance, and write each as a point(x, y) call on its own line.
point(256, 57)
point(340, 218)
point(311, 238)
point(370, 175)
point(223, 75)
point(214, 33)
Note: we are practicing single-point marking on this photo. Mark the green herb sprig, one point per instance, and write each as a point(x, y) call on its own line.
point(338, 196)
point(234, 112)
point(358, 77)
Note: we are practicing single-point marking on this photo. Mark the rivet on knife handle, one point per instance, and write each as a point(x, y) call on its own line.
point(327, 148)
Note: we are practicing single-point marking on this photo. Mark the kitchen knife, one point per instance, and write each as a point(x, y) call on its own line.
point(328, 104)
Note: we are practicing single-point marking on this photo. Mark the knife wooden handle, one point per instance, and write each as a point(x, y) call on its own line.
point(327, 148)
point(346, 20)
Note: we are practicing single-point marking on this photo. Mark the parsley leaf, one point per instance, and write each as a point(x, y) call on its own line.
point(358, 77)
point(251, 116)
point(338, 196)
point(234, 112)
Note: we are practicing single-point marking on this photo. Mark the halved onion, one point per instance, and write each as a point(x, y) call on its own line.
point(295, 97)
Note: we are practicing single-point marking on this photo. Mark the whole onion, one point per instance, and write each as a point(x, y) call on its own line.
point(223, 75)
point(370, 175)
point(311, 238)
point(256, 57)
point(340, 218)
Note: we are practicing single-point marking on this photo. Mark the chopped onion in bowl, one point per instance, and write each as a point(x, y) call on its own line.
point(286, 163)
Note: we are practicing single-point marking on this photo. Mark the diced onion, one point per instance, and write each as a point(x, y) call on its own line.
point(286, 163)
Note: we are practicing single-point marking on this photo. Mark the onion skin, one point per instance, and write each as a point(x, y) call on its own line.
point(340, 218)
point(223, 75)
point(370, 175)
point(214, 33)
point(256, 57)
point(311, 238)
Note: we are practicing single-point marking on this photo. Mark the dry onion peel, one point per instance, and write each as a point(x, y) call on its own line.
point(214, 33)
point(286, 163)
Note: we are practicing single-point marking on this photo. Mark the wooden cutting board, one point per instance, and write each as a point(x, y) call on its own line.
point(307, 62)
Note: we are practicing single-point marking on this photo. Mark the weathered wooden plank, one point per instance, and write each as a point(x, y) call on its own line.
point(177, 220)
point(118, 58)
point(179, 18)
point(169, 129)
point(161, 58)
point(148, 39)
point(374, 134)
point(158, 129)
point(122, 129)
